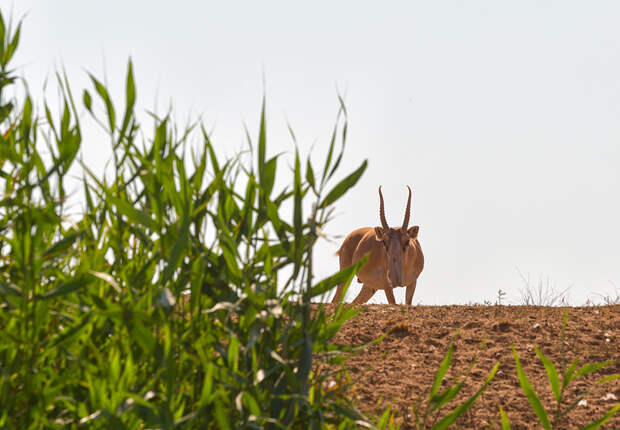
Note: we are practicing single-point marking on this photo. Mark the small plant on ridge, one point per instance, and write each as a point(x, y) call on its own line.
point(550, 419)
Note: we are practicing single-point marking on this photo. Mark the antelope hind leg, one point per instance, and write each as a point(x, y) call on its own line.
point(389, 293)
point(364, 295)
point(410, 292)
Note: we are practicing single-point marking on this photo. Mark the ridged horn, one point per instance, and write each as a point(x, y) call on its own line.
point(407, 211)
point(382, 212)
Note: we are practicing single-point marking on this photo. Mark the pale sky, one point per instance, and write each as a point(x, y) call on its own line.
point(504, 117)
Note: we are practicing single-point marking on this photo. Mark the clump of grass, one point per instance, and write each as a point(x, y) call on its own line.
point(387, 420)
point(608, 299)
point(428, 411)
point(93, 328)
point(544, 293)
point(559, 381)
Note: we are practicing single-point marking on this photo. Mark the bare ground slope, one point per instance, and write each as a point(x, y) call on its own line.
point(402, 367)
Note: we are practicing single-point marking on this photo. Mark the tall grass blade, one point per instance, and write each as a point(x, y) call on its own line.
point(441, 372)
point(570, 372)
point(269, 175)
point(330, 153)
point(262, 142)
point(442, 398)
point(310, 175)
point(345, 276)
point(383, 420)
point(66, 288)
point(592, 367)
point(130, 98)
point(460, 410)
point(598, 423)
point(297, 215)
point(220, 415)
point(133, 214)
point(531, 395)
point(504, 419)
point(12, 46)
point(178, 250)
point(87, 100)
point(344, 185)
point(552, 374)
point(62, 245)
point(107, 101)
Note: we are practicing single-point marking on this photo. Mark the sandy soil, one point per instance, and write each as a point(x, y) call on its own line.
point(401, 368)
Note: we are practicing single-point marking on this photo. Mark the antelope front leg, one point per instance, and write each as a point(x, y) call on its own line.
point(364, 295)
point(338, 295)
point(389, 293)
point(409, 293)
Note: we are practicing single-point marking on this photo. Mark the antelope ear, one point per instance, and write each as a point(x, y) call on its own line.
point(413, 231)
point(379, 233)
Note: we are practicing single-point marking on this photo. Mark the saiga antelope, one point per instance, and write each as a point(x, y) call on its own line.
point(395, 258)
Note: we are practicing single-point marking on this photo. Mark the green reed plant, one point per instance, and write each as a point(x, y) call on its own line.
point(163, 302)
point(559, 381)
point(428, 411)
point(387, 420)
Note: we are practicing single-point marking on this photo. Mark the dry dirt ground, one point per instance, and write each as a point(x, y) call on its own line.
point(401, 368)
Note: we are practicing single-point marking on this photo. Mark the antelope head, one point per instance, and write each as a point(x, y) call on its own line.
point(396, 242)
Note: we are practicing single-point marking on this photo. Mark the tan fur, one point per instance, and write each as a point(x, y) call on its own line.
point(384, 259)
